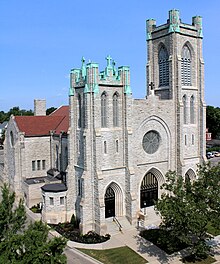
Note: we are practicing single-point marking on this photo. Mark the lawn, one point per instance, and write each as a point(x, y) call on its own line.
point(212, 230)
point(122, 255)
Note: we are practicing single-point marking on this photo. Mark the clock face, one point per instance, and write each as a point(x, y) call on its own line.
point(151, 141)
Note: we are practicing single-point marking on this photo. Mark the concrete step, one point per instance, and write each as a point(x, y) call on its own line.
point(113, 228)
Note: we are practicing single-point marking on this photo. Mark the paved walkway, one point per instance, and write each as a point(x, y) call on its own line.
point(131, 238)
point(144, 248)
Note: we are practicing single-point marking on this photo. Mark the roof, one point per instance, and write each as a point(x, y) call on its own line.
point(42, 125)
point(54, 187)
point(62, 111)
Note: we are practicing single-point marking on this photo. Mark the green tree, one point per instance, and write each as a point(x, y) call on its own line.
point(25, 245)
point(3, 116)
point(213, 120)
point(187, 207)
point(50, 110)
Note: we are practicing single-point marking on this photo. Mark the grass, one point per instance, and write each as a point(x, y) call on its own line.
point(122, 255)
point(212, 230)
point(208, 260)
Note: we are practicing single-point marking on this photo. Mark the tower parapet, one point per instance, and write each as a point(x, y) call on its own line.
point(174, 25)
point(89, 77)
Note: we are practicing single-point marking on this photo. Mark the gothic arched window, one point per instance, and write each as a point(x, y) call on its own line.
point(105, 147)
point(104, 109)
point(79, 111)
point(116, 143)
point(115, 110)
point(186, 66)
point(192, 110)
point(184, 110)
point(163, 61)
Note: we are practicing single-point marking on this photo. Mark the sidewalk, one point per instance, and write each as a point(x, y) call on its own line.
point(146, 249)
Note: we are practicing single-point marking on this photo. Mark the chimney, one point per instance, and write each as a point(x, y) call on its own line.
point(39, 107)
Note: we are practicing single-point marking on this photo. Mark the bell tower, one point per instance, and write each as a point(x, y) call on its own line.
point(175, 71)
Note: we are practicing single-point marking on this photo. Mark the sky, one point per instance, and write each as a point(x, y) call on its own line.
point(42, 40)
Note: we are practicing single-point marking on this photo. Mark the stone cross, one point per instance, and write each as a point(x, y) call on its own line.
point(151, 85)
point(108, 58)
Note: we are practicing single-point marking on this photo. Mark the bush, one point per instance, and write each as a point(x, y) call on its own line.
point(74, 221)
point(36, 209)
point(70, 232)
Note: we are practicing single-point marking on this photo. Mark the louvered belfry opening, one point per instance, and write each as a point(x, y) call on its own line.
point(149, 190)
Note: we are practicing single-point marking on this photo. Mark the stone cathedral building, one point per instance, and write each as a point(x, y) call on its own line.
point(120, 148)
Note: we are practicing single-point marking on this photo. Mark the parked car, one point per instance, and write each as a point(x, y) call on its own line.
point(217, 154)
point(210, 155)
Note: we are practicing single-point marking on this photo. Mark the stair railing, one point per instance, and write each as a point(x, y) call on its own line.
point(117, 223)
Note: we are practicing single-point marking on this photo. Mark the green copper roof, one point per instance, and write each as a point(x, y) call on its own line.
point(174, 19)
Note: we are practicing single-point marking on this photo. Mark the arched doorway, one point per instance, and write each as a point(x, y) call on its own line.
point(190, 175)
point(113, 200)
point(109, 202)
point(149, 190)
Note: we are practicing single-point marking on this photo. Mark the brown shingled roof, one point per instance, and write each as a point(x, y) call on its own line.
point(62, 111)
point(42, 125)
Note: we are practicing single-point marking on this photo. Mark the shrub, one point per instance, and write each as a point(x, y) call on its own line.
point(70, 232)
point(36, 209)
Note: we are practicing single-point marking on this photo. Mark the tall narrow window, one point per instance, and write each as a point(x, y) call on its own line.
point(115, 110)
point(38, 165)
point(192, 110)
point(43, 164)
point(62, 199)
point(104, 110)
point(33, 165)
point(66, 158)
point(185, 140)
point(163, 61)
point(79, 111)
point(51, 200)
point(57, 156)
point(186, 66)
point(116, 145)
point(184, 110)
point(105, 147)
point(84, 111)
point(193, 140)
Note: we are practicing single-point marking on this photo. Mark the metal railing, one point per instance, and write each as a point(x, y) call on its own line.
point(117, 223)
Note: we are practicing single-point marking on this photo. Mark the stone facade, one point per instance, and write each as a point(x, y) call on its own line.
point(33, 158)
point(119, 148)
point(111, 157)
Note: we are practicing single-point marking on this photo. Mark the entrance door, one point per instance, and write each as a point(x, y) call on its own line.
point(149, 190)
point(109, 203)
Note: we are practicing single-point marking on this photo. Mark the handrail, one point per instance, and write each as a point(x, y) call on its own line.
point(117, 222)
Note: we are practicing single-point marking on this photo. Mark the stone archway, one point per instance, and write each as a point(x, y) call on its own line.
point(150, 188)
point(190, 175)
point(113, 201)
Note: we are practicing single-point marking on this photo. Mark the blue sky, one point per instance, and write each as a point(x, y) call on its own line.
point(41, 40)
